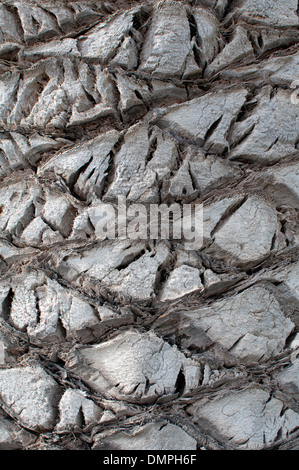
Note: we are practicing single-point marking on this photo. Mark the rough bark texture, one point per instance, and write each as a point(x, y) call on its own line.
point(145, 344)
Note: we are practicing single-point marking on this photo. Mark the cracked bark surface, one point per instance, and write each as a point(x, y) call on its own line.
point(136, 343)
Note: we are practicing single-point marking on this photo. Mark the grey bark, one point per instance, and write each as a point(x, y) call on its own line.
point(146, 344)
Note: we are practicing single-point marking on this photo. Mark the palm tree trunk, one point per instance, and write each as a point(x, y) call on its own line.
point(117, 332)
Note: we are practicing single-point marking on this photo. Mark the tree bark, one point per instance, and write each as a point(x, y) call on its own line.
point(136, 341)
